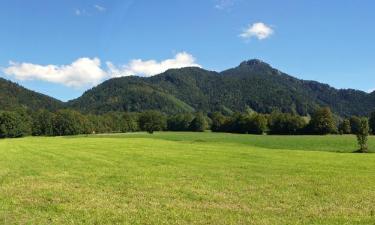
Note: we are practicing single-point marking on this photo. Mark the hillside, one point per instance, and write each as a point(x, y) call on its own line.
point(253, 84)
point(13, 96)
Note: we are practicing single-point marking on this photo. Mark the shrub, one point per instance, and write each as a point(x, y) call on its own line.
point(362, 134)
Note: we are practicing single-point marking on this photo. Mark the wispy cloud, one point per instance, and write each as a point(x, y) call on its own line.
point(90, 12)
point(87, 72)
point(100, 8)
point(81, 12)
point(77, 12)
point(258, 30)
point(224, 4)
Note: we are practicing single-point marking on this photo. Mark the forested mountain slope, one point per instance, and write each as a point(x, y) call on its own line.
point(253, 84)
point(14, 96)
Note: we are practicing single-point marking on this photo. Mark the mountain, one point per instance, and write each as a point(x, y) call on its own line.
point(13, 96)
point(253, 84)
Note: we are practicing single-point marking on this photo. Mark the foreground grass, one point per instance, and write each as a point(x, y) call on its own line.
point(186, 178)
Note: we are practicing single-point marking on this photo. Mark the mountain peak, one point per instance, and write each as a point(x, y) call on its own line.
point(254, 62)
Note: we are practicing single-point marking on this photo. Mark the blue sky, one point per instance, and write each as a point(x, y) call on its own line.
point(62, 48)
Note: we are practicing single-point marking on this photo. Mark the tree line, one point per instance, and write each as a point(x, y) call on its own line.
point(65, 122)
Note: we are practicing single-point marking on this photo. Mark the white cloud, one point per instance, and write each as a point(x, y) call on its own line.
point(152, 67)
point(87, 72)
point(257, 30)
point(100, 8)
point(82, 72)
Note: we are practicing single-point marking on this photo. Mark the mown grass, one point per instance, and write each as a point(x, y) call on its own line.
point(186, 178)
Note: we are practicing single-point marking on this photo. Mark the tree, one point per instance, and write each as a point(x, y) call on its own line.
point(12, 125)
point(130, 123)
point(151, 121)
point(218, 121)
point(42, 123)
point(322, 122)
point(180, 122)
point(345, 127)
point(256, 123)
point(285, 123)
point(355, 123)
point(362, 135)
point(69, 122)
point(199, 123)
point(372, 122)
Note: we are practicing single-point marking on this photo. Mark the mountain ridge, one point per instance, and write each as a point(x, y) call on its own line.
point(13, 95)
point(253, 84)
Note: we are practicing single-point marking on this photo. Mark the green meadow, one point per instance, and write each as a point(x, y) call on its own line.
point(186, 178)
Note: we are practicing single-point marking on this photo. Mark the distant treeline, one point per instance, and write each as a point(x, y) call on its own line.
point(67, 122)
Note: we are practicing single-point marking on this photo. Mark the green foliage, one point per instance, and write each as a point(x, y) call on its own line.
point(355, 124)
point(285, 123)
point(218, 121)
point(129, 122)
point(42, 124)
point(372, 122)
point(344, 127)
point(180, 122)
point(151, 121)
point(13, 125)
point(322, 122)
point(244, 123)
point(199, 123)
point(252, 86)
point(14, 96)
point(69, 122)
point(256, 123)
point(362, 134)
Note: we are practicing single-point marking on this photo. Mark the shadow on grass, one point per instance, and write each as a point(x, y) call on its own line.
point(363, 152)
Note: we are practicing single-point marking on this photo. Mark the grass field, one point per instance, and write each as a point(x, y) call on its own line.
point(186, 178)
